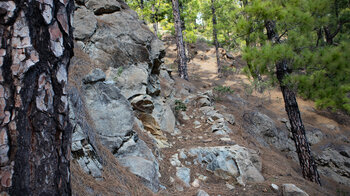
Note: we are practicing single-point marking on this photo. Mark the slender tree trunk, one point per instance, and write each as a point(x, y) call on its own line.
point(306, 160)
point(141, 4)
point(183, 30)
point(319, 36)
point(255, 73)
point(36, 44)
point(215, 37)
point(182, 66)
point(154, 19)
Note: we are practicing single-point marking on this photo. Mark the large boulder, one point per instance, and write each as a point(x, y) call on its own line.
point(114, 39)
point(265, 131)
point(333, 161)
point(110, 112)
point(292, 190)
point(103, 6)
point(229, 162)
point(164, 115)
point(119, 39)
point(112, 118)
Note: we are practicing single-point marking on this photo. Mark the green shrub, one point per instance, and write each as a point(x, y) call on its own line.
point(180, 106)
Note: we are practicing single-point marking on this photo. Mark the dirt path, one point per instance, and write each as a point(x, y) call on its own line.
point(202, 71)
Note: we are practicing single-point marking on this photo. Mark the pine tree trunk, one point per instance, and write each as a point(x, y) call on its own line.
point(36, 45)
point(215, 36)
point(306, 160)
point(154, 19)
point(141, 4)
point(182, 66)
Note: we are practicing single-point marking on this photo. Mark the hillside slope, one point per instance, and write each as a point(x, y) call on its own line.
point(140, 130)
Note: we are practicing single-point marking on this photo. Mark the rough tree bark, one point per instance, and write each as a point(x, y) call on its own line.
point(215, 36)
point(36, 45)
point(182, 59)
point(307, 163)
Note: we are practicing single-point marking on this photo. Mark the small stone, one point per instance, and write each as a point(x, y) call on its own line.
point(174, 160)
point(225, 139)
point(195, 183)
point(202, 177)
point(202, 193)
point(184, 116)
point(230, 186)
point(230, 118)
point(182, 155)
point(274, 187)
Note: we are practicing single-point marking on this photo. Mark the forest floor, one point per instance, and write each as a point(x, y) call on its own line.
point(277, 167)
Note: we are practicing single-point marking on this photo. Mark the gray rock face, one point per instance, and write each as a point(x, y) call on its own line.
point(130, 80)
point(313, 135)
point(95, 76)
point(120, 39)
point(266, 133)
point(103, 6)
point(227, 162)
point(164, 116)
point(138, 158)
point(83, 138)
point(113, 37)
point(334, 163)
point(292, 190)
point(83, 152)
point(85, 23)
point(112, 117)
point(111, 113)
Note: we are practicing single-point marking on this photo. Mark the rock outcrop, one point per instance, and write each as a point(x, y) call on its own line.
point(106, 102)
point(333, 161)
point(226, 162)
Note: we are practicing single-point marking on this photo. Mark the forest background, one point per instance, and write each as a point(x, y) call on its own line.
point(313, 37)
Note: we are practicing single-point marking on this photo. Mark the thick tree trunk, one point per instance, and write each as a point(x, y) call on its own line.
point(35, 49)
point(215, 36)
point(182, 59)
point(306, 160)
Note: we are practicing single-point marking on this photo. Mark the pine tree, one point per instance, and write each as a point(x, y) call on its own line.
point(306, 160)
point(36, 44)
point(215, 37)
point(182, 66)
point(276, 54)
